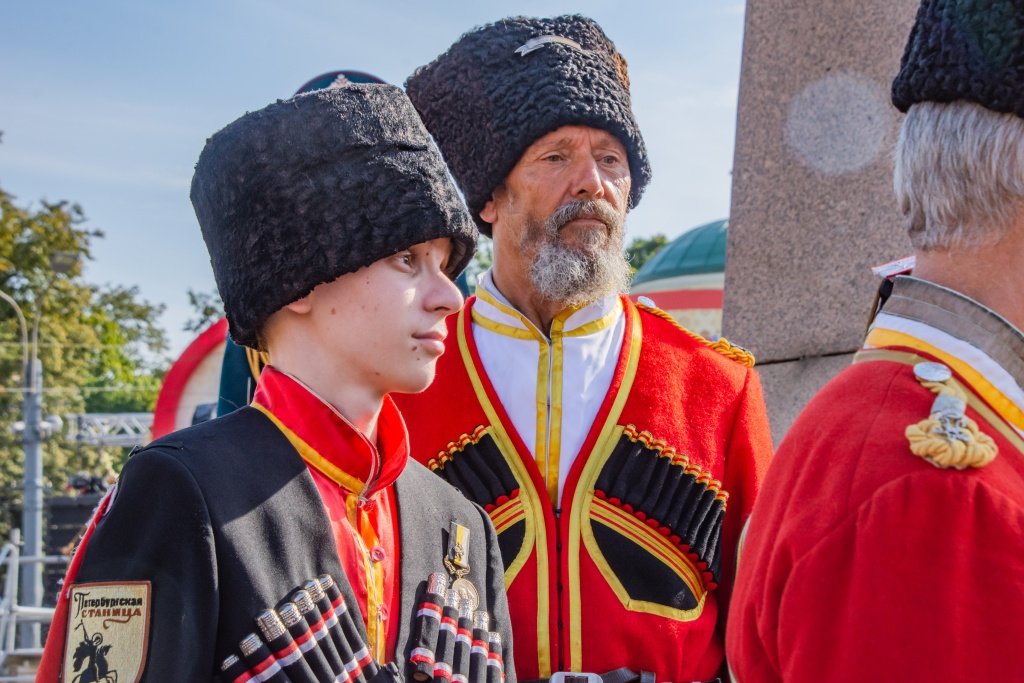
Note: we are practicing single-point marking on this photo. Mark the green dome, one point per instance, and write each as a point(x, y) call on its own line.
point(701, 250)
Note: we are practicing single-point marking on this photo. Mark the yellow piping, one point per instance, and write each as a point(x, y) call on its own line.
point(329, 470)
point(506, 330)
point(991, 417)
point(532, 505)
point(1007, 408)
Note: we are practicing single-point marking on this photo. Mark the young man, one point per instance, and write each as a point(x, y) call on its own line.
point(617, 454)
point(334, 234)
point(888, 541)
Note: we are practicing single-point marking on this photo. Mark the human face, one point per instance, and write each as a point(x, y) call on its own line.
point(560, 215)
point(383, 325)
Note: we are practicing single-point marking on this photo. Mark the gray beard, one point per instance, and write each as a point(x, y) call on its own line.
point(576, 277)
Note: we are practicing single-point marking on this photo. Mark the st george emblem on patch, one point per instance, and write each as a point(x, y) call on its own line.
point(108, 632)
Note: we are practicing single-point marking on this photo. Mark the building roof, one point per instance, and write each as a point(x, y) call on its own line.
point(700, 250)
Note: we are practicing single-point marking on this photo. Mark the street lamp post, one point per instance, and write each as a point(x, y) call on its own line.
point(31, 590)
point(31, 575)
point(34, 431)
point(24, 329)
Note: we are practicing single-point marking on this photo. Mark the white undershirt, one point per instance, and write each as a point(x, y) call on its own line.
point(522, 365)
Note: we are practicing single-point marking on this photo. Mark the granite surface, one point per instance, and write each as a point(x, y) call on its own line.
point(788, 387)
point(812, 203)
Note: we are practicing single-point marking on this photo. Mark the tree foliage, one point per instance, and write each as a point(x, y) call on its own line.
point(481, 261)
point(100, 346)
point(641, 249)
point(208, 309)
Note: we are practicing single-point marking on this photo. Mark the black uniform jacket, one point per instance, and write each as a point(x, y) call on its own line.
point(225, 521)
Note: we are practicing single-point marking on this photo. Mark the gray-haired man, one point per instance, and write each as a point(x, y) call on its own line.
point(888, 541)
point(617, 454)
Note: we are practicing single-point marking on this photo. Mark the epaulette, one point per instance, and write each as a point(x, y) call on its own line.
point(947, 438)
point(722, 345)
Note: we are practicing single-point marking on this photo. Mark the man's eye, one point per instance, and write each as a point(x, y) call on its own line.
point(553, 157)
point(610, 159)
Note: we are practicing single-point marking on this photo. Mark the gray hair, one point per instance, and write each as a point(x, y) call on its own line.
point(959, 175)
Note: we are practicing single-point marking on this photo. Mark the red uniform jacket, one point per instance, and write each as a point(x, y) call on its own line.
point(865, 562)
point(635, 568)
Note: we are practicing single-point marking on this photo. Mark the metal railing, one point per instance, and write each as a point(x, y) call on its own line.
point(110, 429)
point(12, 614)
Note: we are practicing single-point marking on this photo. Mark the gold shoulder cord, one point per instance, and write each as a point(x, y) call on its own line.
point(257, 361)
point(722, 346)
point(947, 438)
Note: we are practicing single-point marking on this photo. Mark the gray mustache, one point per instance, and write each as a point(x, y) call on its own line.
point(574, 209)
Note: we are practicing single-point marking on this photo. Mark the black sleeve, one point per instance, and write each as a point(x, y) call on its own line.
point(496, 598)
point(158, 529)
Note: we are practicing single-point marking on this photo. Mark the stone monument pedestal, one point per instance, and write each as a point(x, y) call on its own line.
point(812, 201)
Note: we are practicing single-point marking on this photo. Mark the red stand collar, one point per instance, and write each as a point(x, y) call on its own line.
point(333, 438)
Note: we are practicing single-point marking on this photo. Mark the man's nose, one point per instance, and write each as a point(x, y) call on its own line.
point(587, 182)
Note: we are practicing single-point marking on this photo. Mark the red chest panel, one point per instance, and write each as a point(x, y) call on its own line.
point(637, 547)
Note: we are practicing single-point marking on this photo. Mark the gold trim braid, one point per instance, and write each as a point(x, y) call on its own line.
point(722, 346)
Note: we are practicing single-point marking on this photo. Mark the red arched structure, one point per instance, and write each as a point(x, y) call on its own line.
point(183, 374)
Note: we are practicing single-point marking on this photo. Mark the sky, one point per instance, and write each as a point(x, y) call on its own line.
point(108, 104)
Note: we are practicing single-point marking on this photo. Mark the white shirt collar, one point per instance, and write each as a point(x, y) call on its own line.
point(492, 305)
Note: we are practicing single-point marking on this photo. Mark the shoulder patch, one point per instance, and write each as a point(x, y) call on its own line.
point(722, 346)
point(108, 631)
point(947, 438)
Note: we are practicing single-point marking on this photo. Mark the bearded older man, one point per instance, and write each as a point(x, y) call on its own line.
point(889, 542)
point(617, 454)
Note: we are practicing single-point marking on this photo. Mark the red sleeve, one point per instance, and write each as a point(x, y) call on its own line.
point(747, 458)
point(53, 651)
point(922, 582)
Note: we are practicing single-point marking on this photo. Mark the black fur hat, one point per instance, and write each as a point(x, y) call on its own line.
point(965, 50)
point(503, 86)
point(308, 189)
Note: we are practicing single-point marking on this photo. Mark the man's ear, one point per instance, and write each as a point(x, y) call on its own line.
point(301, 306)
point(489, 214)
